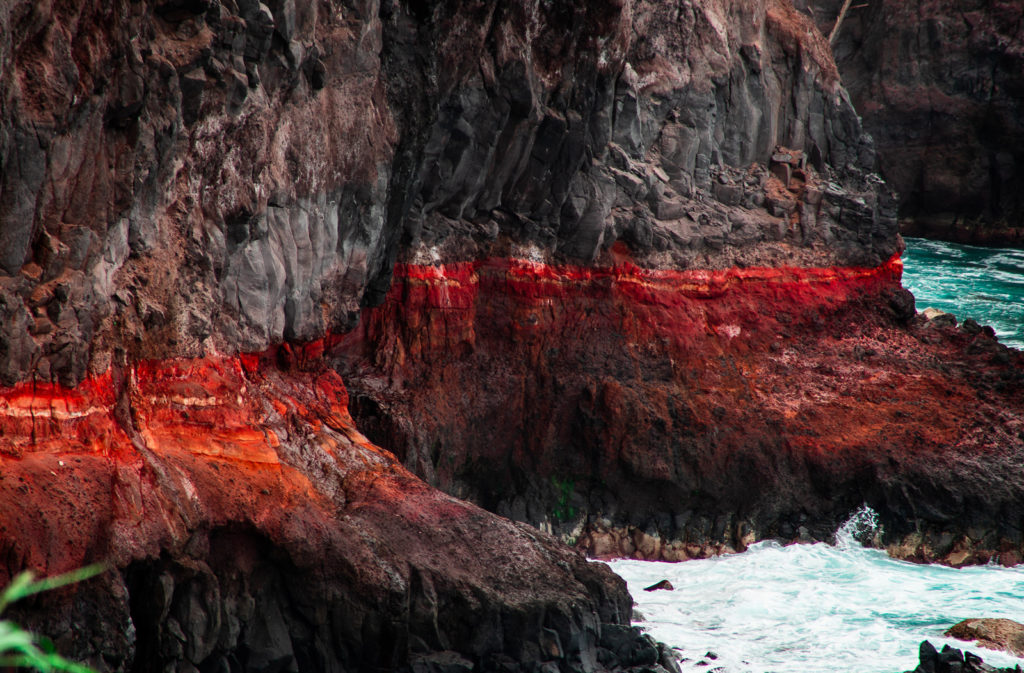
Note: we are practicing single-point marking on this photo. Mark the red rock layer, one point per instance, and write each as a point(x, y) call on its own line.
point(179, 423)
point(668, 414)
point(210, 484)
point(433, 310)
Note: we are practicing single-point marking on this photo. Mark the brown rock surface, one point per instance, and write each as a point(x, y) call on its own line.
point(676, 414)
point(993, 634)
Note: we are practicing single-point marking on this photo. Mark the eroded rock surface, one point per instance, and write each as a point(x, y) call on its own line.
point(642, 259)
point(645, 122)
point(185, 178)
point(672, 415)
point(993, 634)
point(940, 87)
point(251, 527)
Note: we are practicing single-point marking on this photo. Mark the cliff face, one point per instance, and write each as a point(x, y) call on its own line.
point(939, 86)
point(631, 239)
point(676, 414)
point(251, 527)
point(184, 178)
point(651, 124)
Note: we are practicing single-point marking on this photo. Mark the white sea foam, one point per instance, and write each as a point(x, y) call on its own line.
point(816, 608)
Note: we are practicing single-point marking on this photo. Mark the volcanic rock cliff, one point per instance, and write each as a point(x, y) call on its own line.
point(940, 86)
point(620, 270)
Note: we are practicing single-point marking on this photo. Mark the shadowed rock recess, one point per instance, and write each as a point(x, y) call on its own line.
point(620, 270)
point(940, 84)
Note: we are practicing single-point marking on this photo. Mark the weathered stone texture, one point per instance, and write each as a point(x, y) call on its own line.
point(628, 120)
point(195, 176)
point(190, 177)
point(940, 87)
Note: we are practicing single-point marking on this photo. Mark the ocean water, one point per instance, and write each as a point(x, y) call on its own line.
point(986, 284)
point(816, 608)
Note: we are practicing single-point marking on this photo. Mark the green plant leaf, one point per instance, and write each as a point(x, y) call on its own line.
point(22, 649)
point(48, 583)
point(17, 589)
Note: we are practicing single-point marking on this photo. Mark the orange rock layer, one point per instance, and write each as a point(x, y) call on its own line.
point(241, 480)
point(137, 457)
point(646, 386)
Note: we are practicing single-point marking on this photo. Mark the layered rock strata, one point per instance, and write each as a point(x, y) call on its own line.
point(187, 181)
point(635, 234)
point(671, 415)
point(186, 178)
point(940, 86)
point(249, 526)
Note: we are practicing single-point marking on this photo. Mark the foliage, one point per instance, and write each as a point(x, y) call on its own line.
point(563, 510)
point(22, 649)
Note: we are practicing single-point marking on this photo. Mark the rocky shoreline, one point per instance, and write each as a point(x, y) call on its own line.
point(857, 380)
point(623, 271)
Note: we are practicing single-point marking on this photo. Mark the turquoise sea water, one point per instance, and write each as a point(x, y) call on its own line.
point(986, 284)
point(816, 608)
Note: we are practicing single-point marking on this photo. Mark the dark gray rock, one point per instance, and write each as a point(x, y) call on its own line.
point(274, 238)
point(949, 129)
point(952, 660)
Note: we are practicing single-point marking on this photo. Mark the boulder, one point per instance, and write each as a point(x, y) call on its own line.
point(952, 660)
point(993, 634)
point(937, 318)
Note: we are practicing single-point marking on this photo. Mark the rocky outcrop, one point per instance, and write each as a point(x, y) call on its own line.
point(672, 415)
point(993, 634)
point(251, 527)
point(938, 86)
point(951, 659)
point(182, 178)
point(185, 184)
point(185, 178)
point(551, 145)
